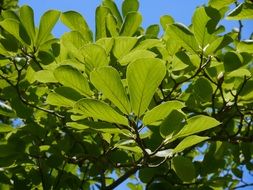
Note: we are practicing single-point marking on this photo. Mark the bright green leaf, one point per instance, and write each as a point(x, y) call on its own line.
point(101, 15)
point(114, 10)
point(129, 6)
point(218, 4)
point(144, 76)
point(75, 21)
point(123, 45)
point(107, 80)
point(5, 128)
point(242, 11)
point(189, 142)
point(161, 111)
point(47, 22)
point(100, 110)
point(71, 77)
point(131, 24)
point(27, 19)
point(165, 21)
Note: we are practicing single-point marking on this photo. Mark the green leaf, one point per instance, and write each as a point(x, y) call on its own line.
point(136, 54)
point(101, 15)
point(242, 11)
point(44, 76)
point(129, 6)
point(100, 110)
point(14, 27)
point(161, 111)
point(183, 168)
point(106, 43)
point(183, 35)
point(203, 95)
point(6, 110)
point(114, 10)
point(111, 25)
point(5, 128)
point(95, 56)
point(188, 142)
point(107, 80)
point(71, 77)
point(27, 20)
point(165, 21)
point(153, 31)
point(245, 46)
point(123, 45)
point(218, 4)
point(75, 21)
point(63, 96)
point(143, 77)
point(232, 61)
point(131, 24)
point(205, 20)
point(197, 124)
point(47, 22)
point(218, 44)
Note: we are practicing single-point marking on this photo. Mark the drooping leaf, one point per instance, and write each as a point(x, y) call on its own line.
point(189, 142)
point(71, 77)
point(100, 110)
point(129, 6)
point(107, 80)
point(242, 11)
point(183, 168)
point(144, 77)
point(161, 111)
point(131, 24)
point(27, 20)
point(47, 22)
point(183, 35)
point(75, 21)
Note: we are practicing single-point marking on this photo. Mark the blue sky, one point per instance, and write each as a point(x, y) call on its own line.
point(180, 10)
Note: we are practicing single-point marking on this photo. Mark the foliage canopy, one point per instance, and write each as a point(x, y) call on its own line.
point(92, 110)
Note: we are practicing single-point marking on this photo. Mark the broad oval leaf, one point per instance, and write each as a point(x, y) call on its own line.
point(183, 35)
point(188, 142)
point(95, 56)
point(123, 45)
point(71, 77)
point(100, 110)
point(143, 77)
point(197, 124)
point(47, 22)
point(131, 24)
point(218, 4)
point(183, 168)
point(166, 20)
point(75, 21)
point(107, 80)
point(161, 111)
